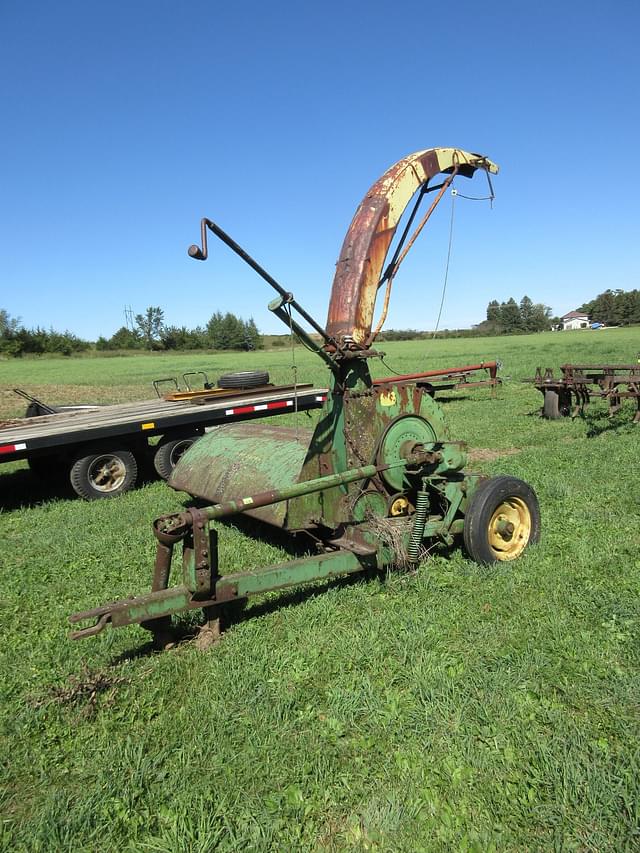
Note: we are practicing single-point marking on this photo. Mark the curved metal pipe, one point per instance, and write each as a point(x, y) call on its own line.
point(365, 247)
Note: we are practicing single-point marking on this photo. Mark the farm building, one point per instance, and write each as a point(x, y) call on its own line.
point(575, 320)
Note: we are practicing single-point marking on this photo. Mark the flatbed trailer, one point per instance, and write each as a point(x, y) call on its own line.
point(101, 448)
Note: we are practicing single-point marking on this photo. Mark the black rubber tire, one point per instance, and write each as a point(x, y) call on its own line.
point(551, 406)
point(169, 451)
point(44, 467)
point(488, 497)
point(564, 403)
point(244, 379)
point(103, 473)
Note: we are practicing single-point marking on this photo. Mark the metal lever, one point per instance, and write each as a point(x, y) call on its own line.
point(201, 254)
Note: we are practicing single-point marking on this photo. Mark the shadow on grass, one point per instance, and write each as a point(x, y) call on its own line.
point(300, 544)
point(599, 422)
point(22, 489)
point(237, 612)
point(453, 398)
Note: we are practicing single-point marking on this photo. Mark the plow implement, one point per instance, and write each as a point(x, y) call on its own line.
point(376, 482)
point(578, 384)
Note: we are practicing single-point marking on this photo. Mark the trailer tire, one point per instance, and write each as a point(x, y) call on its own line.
point(497, 502)
point(103, 473)
point(244, 379)
point(168, 454)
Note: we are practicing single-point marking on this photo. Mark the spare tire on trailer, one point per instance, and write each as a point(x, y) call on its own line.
point(244, 379)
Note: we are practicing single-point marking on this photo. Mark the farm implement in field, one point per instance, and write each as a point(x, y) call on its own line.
point(569, 393)
point(375, 483)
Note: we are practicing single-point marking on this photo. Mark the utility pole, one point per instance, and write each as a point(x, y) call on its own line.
point(128, 318)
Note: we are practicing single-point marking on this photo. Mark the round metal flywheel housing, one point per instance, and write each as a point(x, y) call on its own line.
point(407, 429)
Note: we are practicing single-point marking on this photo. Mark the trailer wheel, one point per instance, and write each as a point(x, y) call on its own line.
point(168, 454)
point(244, 379)
point(502, 518)
point(103, 474)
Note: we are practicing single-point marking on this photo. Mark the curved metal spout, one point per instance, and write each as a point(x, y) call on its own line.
point(359, 267)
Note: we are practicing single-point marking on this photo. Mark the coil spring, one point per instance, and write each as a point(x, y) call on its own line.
point(419, 521)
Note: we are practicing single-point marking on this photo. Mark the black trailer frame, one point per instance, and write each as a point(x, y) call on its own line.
point(74, 440)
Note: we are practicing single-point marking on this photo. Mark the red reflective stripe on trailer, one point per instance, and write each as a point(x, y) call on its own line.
point(244, 410)
point(11, 448)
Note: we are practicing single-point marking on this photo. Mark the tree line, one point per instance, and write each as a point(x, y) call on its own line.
point(150, 332)
point(16, 339)
point(614, 307)
point(222, 332)
point(512, 318)
point(229, 332)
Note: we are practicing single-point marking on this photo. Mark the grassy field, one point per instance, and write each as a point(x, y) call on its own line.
point(456, 708)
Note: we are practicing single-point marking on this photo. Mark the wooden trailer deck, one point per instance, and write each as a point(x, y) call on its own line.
point(20, 437)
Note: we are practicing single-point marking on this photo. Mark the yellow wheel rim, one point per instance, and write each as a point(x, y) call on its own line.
point(400, 506)
point(510, 529)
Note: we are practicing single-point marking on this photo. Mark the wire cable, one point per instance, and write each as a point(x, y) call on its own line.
point(446, 272)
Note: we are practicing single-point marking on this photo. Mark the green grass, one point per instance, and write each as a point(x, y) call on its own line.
point(457, 708)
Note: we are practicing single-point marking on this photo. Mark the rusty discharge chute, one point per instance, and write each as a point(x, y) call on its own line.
point(359, 267)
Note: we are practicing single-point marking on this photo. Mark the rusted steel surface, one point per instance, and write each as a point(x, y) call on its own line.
point(365, 247)
point(450, 377)
point(582, 382)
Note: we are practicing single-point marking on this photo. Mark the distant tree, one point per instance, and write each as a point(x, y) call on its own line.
point(230, 332)
point(8, 324)
point(526, 313)
point(9, 327)
point(214, 330)
point(182, 338)
point(510, 317)
point(252, 337)
point(124, 338)
point(150, 325)
point(540, 318)
point(493, 312)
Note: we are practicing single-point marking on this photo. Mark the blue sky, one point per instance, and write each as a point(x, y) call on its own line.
point(124, 123)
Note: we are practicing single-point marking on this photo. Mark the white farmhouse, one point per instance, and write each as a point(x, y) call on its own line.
point(575, 320)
